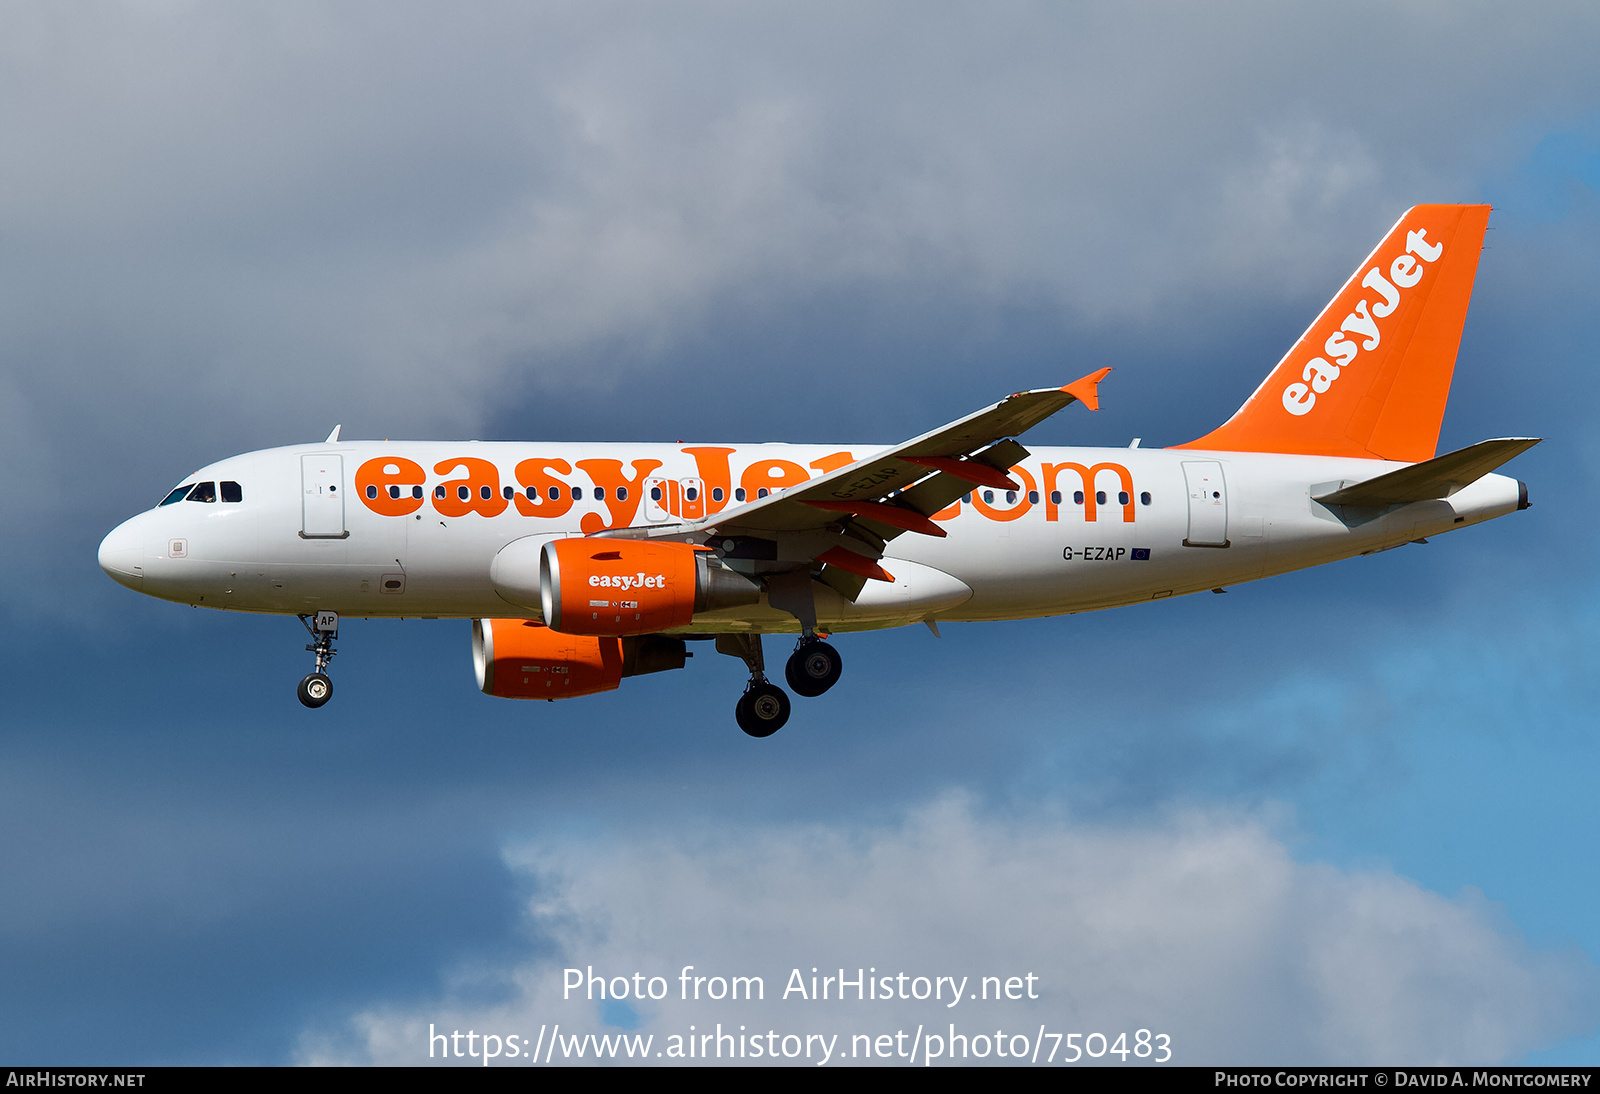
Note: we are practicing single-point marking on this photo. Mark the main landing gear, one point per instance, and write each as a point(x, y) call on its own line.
point(763, 708)
point(316, 688)
point(812, 669)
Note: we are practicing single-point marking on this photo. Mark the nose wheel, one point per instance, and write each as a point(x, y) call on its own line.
point(813, 667)
point(316, 688)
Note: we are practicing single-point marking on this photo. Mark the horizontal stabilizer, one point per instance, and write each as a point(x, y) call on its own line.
point(1436, 478)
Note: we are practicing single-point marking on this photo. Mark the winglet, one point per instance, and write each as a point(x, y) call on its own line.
point(1086, 389)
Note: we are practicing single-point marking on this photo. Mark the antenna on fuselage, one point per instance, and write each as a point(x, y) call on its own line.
point(333, 438)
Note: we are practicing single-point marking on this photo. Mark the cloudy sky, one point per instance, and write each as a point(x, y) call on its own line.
point(1345, 815)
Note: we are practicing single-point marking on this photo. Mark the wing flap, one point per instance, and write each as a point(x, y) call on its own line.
point(894, 516)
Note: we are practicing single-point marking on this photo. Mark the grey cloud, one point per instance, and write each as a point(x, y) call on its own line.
point(365, 194)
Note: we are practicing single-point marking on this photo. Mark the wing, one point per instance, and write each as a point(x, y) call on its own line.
point(845, 517)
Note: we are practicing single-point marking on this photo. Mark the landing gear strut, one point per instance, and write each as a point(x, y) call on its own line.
point(813, 667)
point(763, 708)
point(316, 688)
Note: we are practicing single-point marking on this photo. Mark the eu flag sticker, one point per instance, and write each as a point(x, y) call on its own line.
point(1141, 554)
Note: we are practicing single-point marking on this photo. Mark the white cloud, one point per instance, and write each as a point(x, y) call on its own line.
point(1203, 927)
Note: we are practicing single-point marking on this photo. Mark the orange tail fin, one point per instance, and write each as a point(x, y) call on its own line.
point(1371, 376)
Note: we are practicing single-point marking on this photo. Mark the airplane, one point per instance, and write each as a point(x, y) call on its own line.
point(581, 564)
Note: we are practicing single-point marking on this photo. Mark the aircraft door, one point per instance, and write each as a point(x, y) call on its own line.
point(658, 500)
point(693, 492)
point(1208, 504)
point(322, 496)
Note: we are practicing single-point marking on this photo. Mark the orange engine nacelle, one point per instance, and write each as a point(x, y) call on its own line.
point(627, 587)
point(521, 659)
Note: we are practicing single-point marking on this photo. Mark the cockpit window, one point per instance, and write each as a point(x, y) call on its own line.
point(232, 491)
point(177, 495)
point(203, 491)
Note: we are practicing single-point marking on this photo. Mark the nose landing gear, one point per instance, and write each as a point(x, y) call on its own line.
point(316, 688)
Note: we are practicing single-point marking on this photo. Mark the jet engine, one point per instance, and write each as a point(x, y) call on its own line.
point(632, 587)
point(521, 659)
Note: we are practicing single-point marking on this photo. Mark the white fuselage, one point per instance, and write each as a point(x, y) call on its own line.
point(1152, 523)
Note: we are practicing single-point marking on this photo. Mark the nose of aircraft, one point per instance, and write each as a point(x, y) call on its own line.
point(122, 554)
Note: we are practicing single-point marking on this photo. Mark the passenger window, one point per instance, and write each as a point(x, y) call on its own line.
point(738, 494)
point(510, 492)
point(762, 492)
point(599, 493)
point(554, 493)
point(1077, 497)
point(485, 492)
point(372, 491)
point(967, 498)
point(203, 491)
point(1011, 497)
point(577, 493)
point(1033, 497)
point(416, 492)
point(1144, 498)
point(1099, 497)
point(1055, 497)
point(232, 491)
point(622, 493)
point(655, 493)
point(988, 497)
point(716, 493)
point(438, 492)
point(692, 494)
point(394, 492)
point(463, 493)
point(1122, 497)
point(177, 495)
